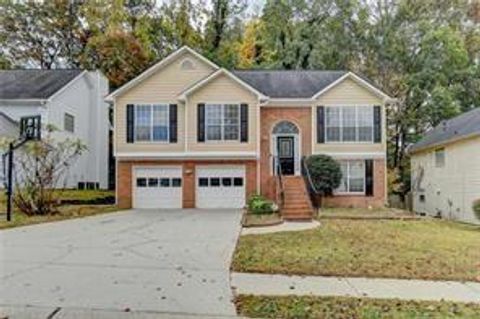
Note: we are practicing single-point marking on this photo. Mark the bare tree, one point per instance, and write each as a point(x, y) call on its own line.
point(40, 173)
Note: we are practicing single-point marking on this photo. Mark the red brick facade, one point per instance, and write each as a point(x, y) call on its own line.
point(270, 116)
point(124, 177)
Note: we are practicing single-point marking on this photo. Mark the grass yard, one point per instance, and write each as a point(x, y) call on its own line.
point(426, 249)
point(364, 213)
point(66, 211)
point(350, 308)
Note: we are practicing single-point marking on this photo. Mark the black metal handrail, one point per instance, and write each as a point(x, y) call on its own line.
point(312, 190)
point(279, 189)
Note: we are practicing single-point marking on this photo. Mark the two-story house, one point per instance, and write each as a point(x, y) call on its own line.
point(72, 101)
point(191, 134)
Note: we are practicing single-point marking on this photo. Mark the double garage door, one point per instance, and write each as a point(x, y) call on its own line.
point(215, 187)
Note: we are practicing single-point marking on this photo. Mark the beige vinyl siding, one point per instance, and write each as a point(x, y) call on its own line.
point(349, 93)
point(222, 90)
point(162, 87)
point(450, 189)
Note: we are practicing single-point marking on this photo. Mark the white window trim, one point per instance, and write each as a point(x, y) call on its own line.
point(340, 107)
point(440, 149)
point(222, 125)
point(151, 141)
point(65, 114)
point(347, 192)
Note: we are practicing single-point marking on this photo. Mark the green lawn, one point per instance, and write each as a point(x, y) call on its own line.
point(426, 249)
point(364, 213)
point(350, 308)
point(66, 211)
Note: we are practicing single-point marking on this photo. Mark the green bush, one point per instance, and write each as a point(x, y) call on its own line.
point(476, 208)
point(325, 173)
point(259, 205)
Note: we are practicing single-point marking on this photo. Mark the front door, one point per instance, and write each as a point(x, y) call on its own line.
point(286, 154)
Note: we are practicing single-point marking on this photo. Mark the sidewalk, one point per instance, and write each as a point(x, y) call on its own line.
point(263, 284)
point(32, 312)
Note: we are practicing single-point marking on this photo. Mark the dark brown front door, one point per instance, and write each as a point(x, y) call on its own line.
point(286, 154)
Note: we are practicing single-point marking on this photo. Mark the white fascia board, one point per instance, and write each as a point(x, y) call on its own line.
point(353, 155)
point(54, 95)
point(357, 79)
point(286, 102)
point(182, 96)
point(186, 155)
point(145, 74)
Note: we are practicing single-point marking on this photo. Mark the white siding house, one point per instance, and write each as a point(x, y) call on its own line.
point(73, 102)
point(445, 169)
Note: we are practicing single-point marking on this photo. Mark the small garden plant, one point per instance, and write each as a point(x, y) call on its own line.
point(259, 205)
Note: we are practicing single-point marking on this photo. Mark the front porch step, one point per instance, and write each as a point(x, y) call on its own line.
point(297, 205)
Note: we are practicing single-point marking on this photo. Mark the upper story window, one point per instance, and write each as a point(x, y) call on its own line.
point(440, 157)
point(151, 122)
point(69, 123)
point(353, 177)
point(349, 124)
point(222, 122)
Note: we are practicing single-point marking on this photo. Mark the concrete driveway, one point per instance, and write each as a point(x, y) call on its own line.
point(163, 261)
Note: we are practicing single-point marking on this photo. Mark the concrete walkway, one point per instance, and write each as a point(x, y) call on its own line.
point(261, 284)
point(286, 226)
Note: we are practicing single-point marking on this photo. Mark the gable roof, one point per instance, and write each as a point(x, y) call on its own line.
point(157, 66)
point(463, 126)
point(289, 83)
point(280, 84)
point(34, 84)
point(214, 75)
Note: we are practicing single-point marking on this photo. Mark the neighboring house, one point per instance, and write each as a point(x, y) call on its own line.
point(445, 168)
point(73, 102)
point(8, 129)
point(188, 133)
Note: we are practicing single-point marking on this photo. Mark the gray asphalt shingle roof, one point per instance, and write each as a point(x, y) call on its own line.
point(464, 125)
point(33, 83)
point(289, 84)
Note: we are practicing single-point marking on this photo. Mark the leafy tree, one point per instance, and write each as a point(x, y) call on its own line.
point(41, 34)
point(118, 54)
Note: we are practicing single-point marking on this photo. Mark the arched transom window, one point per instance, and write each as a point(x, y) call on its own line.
point(285, 127)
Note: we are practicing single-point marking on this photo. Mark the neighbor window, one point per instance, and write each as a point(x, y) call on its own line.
point(222, 122)
point(353, 177)
point(151, 122)
point(440, 157)
point(349, 124)
point(69, 123)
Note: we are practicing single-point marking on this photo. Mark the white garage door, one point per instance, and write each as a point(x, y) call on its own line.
point(220, 187)
point(156, 187)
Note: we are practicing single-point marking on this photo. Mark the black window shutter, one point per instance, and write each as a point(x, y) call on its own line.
point(320, 124)
point(173, 123)
point(369, 177)
point(244, 123)
point(377, 124)
point(130, 122)
point(201, 122)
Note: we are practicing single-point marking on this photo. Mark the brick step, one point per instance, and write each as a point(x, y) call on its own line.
point(289, 211)
point(297, 217)
point(299, 207)
point(289, 201)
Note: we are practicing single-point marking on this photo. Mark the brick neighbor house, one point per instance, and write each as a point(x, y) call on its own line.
point(189, 133)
